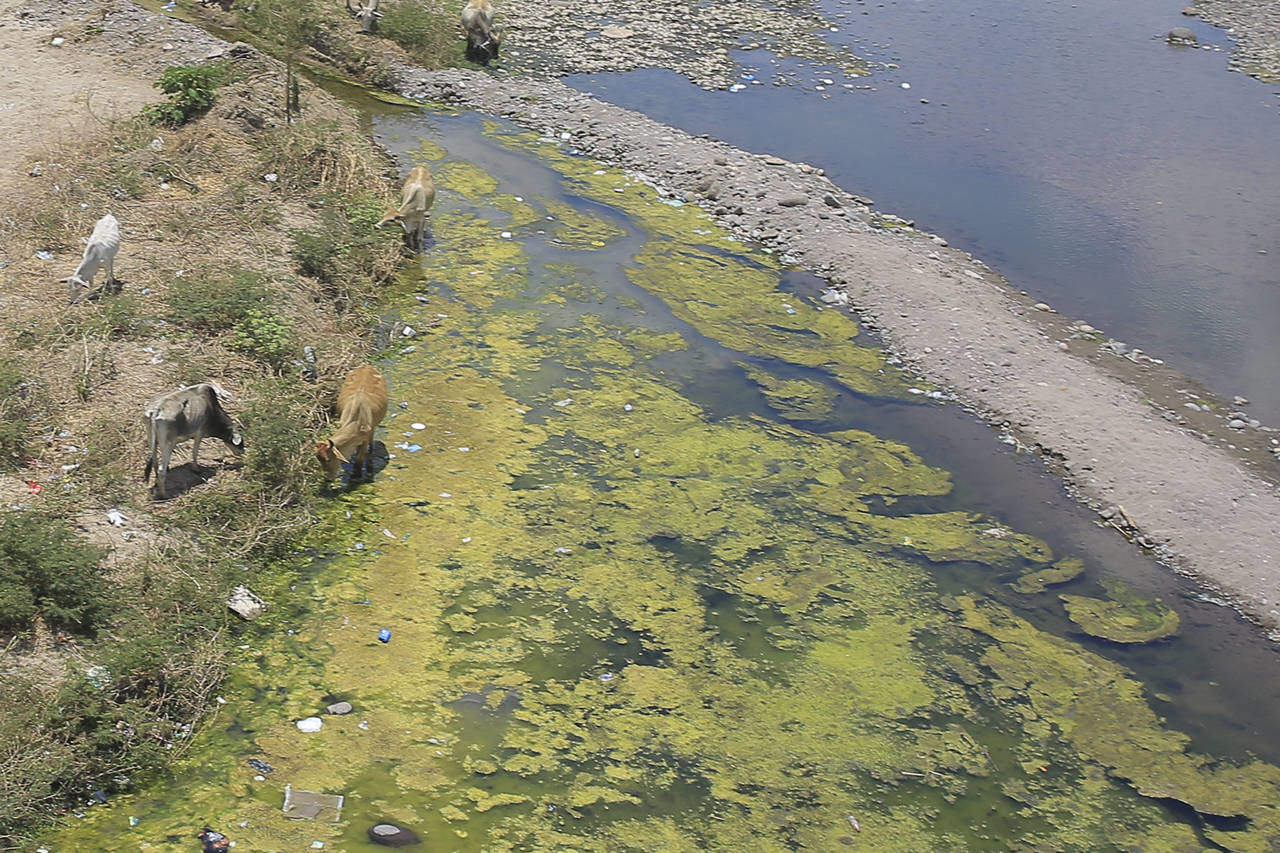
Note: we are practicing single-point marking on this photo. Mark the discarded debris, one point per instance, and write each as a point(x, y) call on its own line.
point(385, 635)
point(245, 604)
point(339, 708)
point(214, 842)
point(260, 765)
point(116, 517)
point(311, 805)
point(310, 725)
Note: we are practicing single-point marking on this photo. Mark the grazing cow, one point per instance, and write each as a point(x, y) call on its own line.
point(482, 39)
point(362, 404)
point(101, 250)
point(367, 15)
point(416, 198)
point(193, 411)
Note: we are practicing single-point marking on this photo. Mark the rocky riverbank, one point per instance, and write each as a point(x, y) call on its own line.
point(1254, 25)
point(1159, 475)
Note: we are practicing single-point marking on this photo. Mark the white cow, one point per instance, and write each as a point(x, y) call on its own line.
point(101, 250)
point(193, 411)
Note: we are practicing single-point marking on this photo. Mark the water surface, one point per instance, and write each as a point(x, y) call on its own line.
point(1130, 183)
point(677, 562)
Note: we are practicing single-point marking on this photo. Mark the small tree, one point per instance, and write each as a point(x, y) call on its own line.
point(292, 24)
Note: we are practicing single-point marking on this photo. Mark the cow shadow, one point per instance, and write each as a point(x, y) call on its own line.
point(183, 478)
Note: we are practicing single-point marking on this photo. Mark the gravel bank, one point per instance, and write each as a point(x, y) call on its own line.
point(1196, 505)
point(1254, 25)
point(544, 39)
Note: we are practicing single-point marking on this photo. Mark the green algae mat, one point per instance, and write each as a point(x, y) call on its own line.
point(639, 593)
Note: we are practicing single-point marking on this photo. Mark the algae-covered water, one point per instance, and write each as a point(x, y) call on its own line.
point(650, 587)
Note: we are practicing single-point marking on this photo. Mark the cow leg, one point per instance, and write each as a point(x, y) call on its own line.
point(195, 451)
point(111, 275)
point(358, 463)
point(162, 475)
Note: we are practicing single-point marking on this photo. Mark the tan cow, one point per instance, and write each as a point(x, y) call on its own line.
point(416, 198)
point(483, 40)
point(362, 404)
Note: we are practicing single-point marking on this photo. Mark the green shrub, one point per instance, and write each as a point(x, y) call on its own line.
point(47, 571)
point(422, 28)
point(215, 303)
point(264, 335)
point(20, 402)
point(191, 91)
point(277, 414)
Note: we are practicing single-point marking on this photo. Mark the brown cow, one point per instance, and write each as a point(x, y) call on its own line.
point(362, 404)
point(416, 198)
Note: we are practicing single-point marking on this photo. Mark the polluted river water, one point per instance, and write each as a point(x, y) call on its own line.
point(1128, 182)
point(672, 559)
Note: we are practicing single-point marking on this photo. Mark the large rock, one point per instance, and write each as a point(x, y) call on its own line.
point(1181, 35)
point(390, 835)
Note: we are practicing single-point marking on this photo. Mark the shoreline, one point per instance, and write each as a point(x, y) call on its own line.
point(1205, 510)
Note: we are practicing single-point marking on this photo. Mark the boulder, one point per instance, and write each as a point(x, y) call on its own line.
point(1181, 35)
point(390, 835)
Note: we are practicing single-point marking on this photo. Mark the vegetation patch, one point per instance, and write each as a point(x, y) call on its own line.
point(1122, 617)
point(48, 573)
point(191, 90)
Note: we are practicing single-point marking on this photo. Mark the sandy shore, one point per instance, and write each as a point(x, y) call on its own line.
point(1205, 506)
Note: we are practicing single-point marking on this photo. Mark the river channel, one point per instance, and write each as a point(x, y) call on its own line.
point(673, 560)
point(1130, 183)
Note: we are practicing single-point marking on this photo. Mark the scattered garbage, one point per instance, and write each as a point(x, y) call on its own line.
point(133, 821)
point(271, 177)
point(98, 797)
point(310, 725)
point(385, 635)
point(98, 676)
point(58, 41)
point(466, 539)
point(312, 805)
point(214, 842)
point(34, 488)
point(606, 677)
point(339, 708)
point(418, 425)
point(408, 331)
point(563, 550)
point(245, 604)
point(44, 256)
point(390, 835)
point(853, 821)
point(260, 765)
point(562, 403)
point(627, 407)
point(116, 517)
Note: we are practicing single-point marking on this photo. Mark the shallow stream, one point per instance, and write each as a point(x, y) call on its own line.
point(676, 562)
point(1130, 183)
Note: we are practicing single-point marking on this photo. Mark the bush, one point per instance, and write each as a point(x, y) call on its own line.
point(214, 303)
point(264, 335)
point(278, 415)
point(191, 91)
point(20, 401)
point(47, 571)
point(423, 30)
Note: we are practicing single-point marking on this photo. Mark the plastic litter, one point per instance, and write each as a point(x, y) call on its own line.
point(260, 765)
point(310, 725)
point(562, 403)
point(390, 835)
point(466, 539)
point(44, 256)
point(312, 805)
point(385, 635)
point(58, 42)
point(271, 177)
point(563, 550)
point(34, 488)
point(213, 842)
point(133, 821)
point(116, 517)
point(418, 425)
point(606, 677)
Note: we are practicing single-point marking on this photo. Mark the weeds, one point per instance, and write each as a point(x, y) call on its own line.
point(191, 91)
point(212, 302)
point(47, 572)
point(265, 336)
point(21, 399)
point(422, 29)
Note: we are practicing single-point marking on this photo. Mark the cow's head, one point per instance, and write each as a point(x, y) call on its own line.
point(367, 15)
point(330, 457)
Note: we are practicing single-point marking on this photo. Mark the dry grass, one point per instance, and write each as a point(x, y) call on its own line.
point(195, 203)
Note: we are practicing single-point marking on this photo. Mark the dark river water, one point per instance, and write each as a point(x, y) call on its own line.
point(1130, 183)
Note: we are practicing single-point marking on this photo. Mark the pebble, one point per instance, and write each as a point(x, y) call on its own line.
point(1236, 423)
point(339, 708)
point(795, 200)
point(1043, 306)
